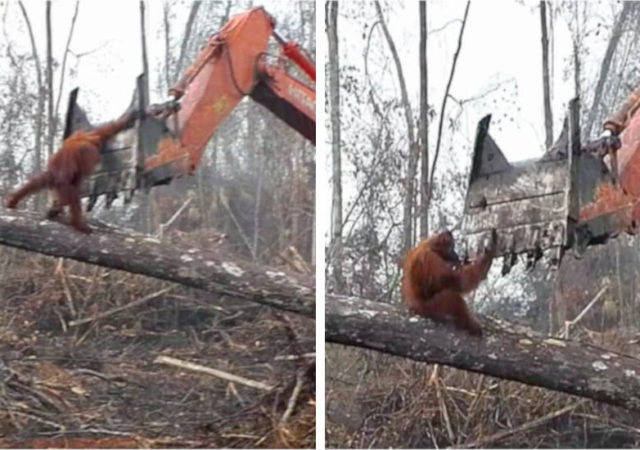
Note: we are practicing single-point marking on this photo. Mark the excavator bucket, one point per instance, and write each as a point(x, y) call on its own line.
point(122, 159)
point(568, 199)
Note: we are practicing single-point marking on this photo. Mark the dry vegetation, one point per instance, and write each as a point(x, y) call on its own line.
point(96, 384)
point(376, 400)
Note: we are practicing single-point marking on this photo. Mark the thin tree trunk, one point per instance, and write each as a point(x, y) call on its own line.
point(185, 39)
point(147, 200)
point(40, 108)
point(225, 18)
point(256, 212)
point(64, 64)
point(616, 34)
point(576, 69)
point(145, 60)
point(334, 101)
point(423, 131)
point(576, 53)
point(167, 45)
point(548, 118)
point(414, 150)
point(444, 100)
point(50, 118)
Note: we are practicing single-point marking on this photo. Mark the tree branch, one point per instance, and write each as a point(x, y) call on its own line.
point(64, 62)
point(504, 351)
point(409, 200)
point(185, 40)
point(616, 34)
point(207, 269)
point(50, 118)
point(40, 109)
point(444, 103)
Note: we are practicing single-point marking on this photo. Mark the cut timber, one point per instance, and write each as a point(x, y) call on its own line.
point(186, 365)
point(208, 269)
point(502, 352)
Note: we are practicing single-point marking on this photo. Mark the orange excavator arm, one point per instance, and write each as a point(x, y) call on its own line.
point(235, 63)
point(170, 138)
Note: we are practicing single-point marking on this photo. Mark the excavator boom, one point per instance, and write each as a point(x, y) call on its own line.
point(170, 138)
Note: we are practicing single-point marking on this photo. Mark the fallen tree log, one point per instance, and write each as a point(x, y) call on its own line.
point(504, 351)
point(208, 269)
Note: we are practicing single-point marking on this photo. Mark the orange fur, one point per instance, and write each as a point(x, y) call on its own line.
point(434, 281)
point(67, 168)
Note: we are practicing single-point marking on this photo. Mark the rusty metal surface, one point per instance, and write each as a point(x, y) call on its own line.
point(568, 199)
point(120, 161)
point(620, 120)
point(526, 203)
point(573, 197)
point(629, 157)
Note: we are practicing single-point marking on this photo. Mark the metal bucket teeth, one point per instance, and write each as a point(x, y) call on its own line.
point(122, 157)
point(530, 204)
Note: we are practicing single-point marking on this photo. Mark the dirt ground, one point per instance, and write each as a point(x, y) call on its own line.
point(96, 384)
point(381, 401)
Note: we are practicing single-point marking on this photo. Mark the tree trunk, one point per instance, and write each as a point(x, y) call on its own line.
point(414, 149)
point(548, 118)
point(423, 131)
point(225, 18)
point(145, 60)
point(64, 65)
point(444, 101)
point(503, 352)
point(147, 200)
point(185, 38)
point(336, 157)
point(209, 269)
point(616, 34)
point(167, 44)
point(576, 69)
point(41, 97)
point(256, 211)
point(50, 118)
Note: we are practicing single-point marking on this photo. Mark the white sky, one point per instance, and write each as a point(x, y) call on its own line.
point(110, 31)
point(502, 41)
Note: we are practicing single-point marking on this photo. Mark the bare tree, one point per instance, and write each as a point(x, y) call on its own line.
point(256, 211)
point(50, 118)
point(145, 60)
point(577, 68)
point(548, 118)
point(446, 96)
point(616, 34)
point(64, 64)
point(40, 109)
point(414, 150)
point(185, 38)
point(336, 157)
point(167, 43)
point(149, 218)
point(423, 131)
point(225, 17)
